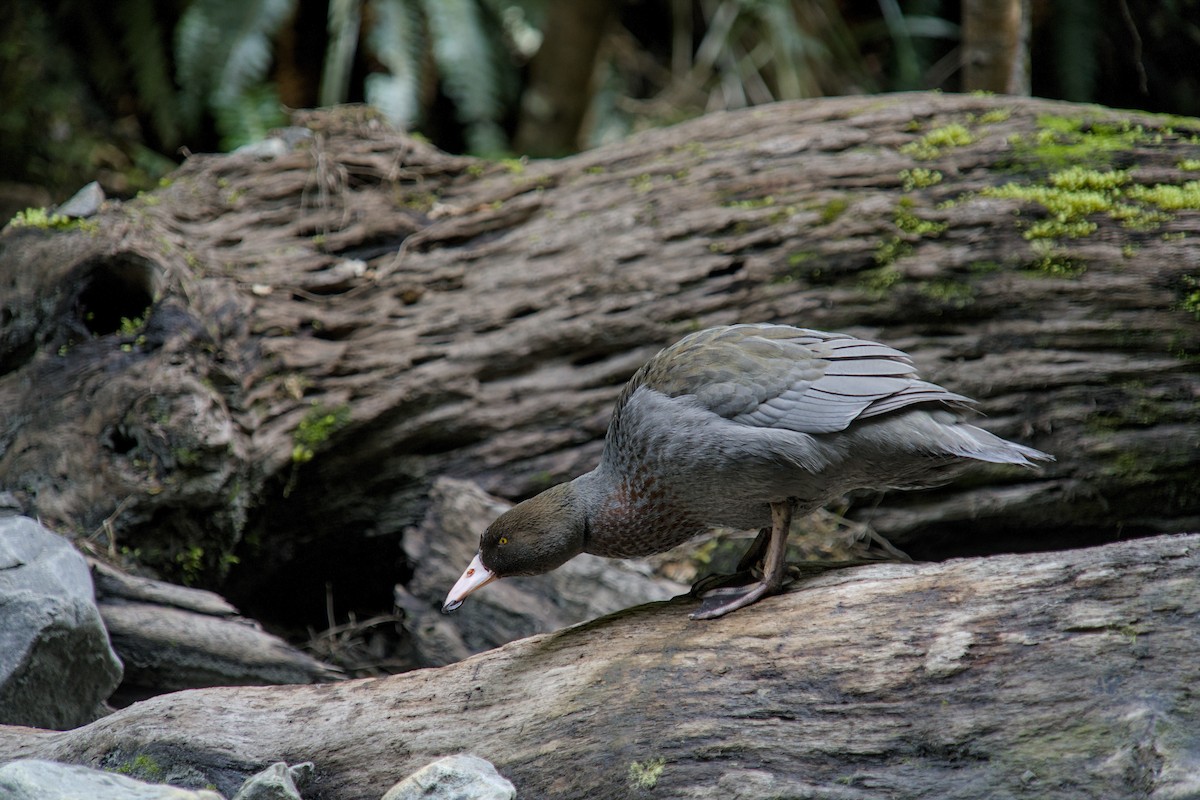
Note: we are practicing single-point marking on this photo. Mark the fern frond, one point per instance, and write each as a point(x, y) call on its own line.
point(249, 116)
point(223, 48)
point(395, 40)
point(466, 61)
point(345, 21)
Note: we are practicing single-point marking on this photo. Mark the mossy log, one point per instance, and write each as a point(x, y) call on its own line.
point(272, 357)
point(1054, 675)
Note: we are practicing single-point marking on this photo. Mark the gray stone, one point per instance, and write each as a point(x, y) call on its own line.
point(460, 777)
point(84, 203)
point(31, 779)
point(276, 782)
point(56, 665)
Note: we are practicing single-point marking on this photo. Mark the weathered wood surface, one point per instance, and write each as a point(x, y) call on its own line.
point(1054, 675)
point(398, 314)
point(174, 637)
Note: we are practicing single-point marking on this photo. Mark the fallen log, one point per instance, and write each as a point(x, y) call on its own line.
point(1056, 675)
point(251, 377)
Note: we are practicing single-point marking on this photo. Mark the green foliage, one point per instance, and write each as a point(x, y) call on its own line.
point(1191, 296)
point(397, 39)
point(1074, 196)
point(466, 58)
point(919, 178)
point(315, 429)
point(142, 767)
point(937, 141)
point(143, 44)
point(40, 218)
point(1062, 142)
point(223, 52)
point(910, 223)
point(833, 209)
point(645, 775)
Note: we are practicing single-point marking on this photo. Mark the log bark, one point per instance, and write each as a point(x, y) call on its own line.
point(1058, 675)
point(311, 338)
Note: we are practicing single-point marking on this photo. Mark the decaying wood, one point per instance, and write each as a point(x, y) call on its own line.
point(1053, 675)
point(331, 329)
point(174, 637)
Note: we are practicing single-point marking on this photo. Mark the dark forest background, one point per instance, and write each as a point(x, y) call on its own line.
point(120, 92)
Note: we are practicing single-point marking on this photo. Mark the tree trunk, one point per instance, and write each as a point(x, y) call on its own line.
point(561, 78)
point(996, 46)
point(1059, 675)
point(272, 357)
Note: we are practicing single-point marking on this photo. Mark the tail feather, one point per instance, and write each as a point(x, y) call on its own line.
point(969, 441)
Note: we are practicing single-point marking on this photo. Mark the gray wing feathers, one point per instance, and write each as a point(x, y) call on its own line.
point(776, 376)
point(856, 379)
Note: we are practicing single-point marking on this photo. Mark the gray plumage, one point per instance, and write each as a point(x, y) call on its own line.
point(737, 427)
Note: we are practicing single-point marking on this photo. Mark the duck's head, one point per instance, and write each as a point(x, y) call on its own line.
point(534, 536)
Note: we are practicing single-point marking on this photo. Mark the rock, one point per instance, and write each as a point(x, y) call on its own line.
point(584, 588)
point(31, 779)
point(174, 637)
point(56, 665)
point(84, 203)
point(276, 782)
point(459, 777)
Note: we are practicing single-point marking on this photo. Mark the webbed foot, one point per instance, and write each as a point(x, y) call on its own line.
point(771, 546)
point(719, 602)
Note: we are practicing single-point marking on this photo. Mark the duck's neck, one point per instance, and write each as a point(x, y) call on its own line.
point(631, 514)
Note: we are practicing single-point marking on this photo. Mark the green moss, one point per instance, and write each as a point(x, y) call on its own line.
point(129, 327)
point(1191, 295)
point(422, 202)
point(996, 115)
point(142, 767)
point(891, 250)
point(1059, 266)
point(595, 170)
point(646, 775)
point(1168, 197)
point(191, 563)
point(919, 178)
point(514, 166)
point(1079, 178)
point(910, 223)
point(877, 281)
point(1065, 141)
point(1129, 467)
point(1058, 229)
point(948, 293)
point(40, 218)
point(832, 210)
point(642, 183)
point(937, 141)
point(318, 425)
point(1076, 193)
point(984, 267)
point(754, 202)
point(1064, 204)
point(1189, 165)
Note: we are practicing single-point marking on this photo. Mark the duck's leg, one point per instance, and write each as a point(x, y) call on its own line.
point(719, 602)
point(749, 568)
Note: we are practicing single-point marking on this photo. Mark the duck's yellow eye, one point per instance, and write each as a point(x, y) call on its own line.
point(503, 540)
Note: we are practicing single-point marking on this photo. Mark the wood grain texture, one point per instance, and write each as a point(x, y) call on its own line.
point(478, 320)
point(1054, 675)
